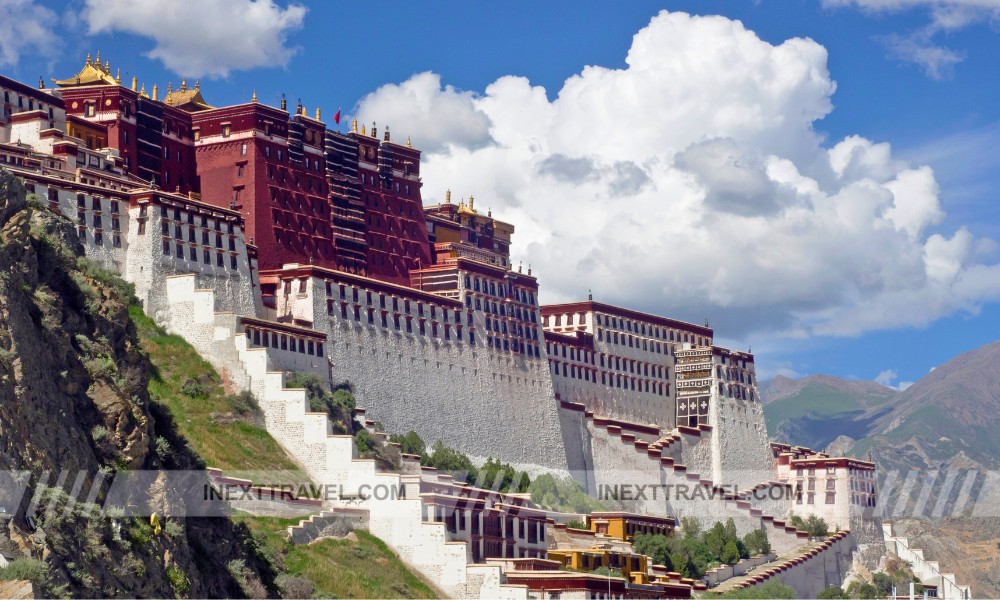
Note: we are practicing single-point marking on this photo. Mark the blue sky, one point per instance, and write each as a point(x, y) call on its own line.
point(334, 54)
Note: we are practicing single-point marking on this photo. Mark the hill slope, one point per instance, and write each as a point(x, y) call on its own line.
point(815, 410)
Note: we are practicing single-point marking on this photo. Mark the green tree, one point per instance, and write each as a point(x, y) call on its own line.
point(690, 526)
point(715, 539)
point(730, 554)
point(410, 443)
point(832, 593)
point(655, 546)
point(452, 461)
point(756, 542)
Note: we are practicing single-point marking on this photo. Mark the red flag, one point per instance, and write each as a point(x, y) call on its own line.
point(336, 117)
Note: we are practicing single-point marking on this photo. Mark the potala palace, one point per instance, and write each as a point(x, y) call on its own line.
point(274, 244)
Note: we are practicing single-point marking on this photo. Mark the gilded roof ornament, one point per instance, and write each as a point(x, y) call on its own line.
point(135, 83)
point(408, 144)
point(156, 92)
point(88, 59)
point(118, 76)
point(447, 197)
point(354, 125)
point(254, 97)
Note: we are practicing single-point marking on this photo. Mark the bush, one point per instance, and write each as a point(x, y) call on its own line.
point(293, 586)
point(756, 542)
point(832, 592)
point(27, 569)
point(730, 554)
point(574, 524)
point(244, 403)
point(813, 525)
point(410, 443)
point(654, 546)
point(502, 477)
point(193, 388)
point(562, 494)
point(178, 581)
point(339, 404)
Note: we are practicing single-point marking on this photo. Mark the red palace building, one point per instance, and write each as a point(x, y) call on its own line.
point(309, 195)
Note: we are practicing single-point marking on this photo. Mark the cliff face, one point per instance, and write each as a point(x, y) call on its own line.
point(73, 383)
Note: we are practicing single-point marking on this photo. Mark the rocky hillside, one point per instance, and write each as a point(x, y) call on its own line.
point(815, 410)
point(73, 396)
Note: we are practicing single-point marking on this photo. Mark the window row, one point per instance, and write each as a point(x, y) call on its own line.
point(192, 236)
point(615, 380)
point(493, 288)
point(399, 322)
point(192, 254)
point(633, 342)
point(405, 306)
point(180, 216)
point(263, 338)
point(498, 309)
point(98, 237)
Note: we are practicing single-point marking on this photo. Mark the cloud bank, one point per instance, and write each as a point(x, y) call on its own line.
point(227, 35)
point(692, 183)
point(24, 25)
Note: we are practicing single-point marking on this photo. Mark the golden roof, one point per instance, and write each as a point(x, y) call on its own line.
point(92, 73)
point(190, 100)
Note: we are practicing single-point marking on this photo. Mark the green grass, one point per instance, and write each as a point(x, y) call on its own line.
point(237, 446)
point(365, 568)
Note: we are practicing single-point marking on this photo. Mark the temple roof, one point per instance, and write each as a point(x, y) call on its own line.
point(186, 99)
point(92, 73)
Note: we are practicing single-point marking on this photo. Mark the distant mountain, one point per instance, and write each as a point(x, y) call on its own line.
point(947, 418)
point(815, 410)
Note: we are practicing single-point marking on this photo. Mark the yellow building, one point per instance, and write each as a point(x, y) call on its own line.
point(624, 526)
point(633, 566)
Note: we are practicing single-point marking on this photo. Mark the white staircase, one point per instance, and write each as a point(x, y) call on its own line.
point(393, 501)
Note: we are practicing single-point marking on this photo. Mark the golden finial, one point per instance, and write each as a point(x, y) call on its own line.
point(354, 125)
point(472, 202)
point(284, 103)
point(88, 59)
point(254, 97)
point(408, 144)
point(107, 67)
point(156, 92)
point(118, 77)
point(363, 130)
point(317, 114)
point(386, 134)
point(447, 197)
point(135, 83)
point(197, 84)
point(142, 92)
point(41, 83)
point(98, 59)
point(374, 130)
point(302, 110)
point(184, 85)
point(462, 203)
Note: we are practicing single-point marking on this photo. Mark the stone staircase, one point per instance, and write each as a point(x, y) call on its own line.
point(660, 450)
point(928, 571)
point(392, 500)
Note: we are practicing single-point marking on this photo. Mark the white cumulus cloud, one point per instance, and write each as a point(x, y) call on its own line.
point(203, 37)
point(692, 183)
point(24, 24)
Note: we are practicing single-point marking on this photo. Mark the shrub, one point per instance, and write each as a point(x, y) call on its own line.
point(832, 592)
point(756, 542)
point(243, 403)
point(28, 569)
point(294, 586)
point(99, 432)
point(730, 554)
point(178, 581)
point(193, 388)
point(410, 443)
point(563, 494)
point(574, 524)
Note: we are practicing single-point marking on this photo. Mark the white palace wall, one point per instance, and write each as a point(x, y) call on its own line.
point(483, 402)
